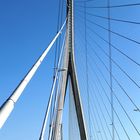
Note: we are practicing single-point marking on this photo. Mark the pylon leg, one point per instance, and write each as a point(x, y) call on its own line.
point(69, 73)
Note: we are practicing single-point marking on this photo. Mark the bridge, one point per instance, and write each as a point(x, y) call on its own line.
point(84, 85)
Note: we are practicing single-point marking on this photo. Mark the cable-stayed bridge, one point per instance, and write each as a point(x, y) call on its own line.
point(94, 93)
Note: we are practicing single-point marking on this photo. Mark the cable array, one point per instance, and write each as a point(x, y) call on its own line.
point(111, 68)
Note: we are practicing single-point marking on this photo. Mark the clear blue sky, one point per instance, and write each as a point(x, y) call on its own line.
point(27, 27)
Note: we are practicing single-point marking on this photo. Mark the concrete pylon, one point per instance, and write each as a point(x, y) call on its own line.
point(69, 73)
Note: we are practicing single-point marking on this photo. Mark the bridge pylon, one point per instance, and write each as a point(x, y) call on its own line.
point(69, 74)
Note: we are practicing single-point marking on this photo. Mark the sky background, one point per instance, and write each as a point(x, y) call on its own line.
point(26, 29)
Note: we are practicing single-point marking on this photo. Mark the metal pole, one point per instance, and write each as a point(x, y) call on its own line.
point(8, 106)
